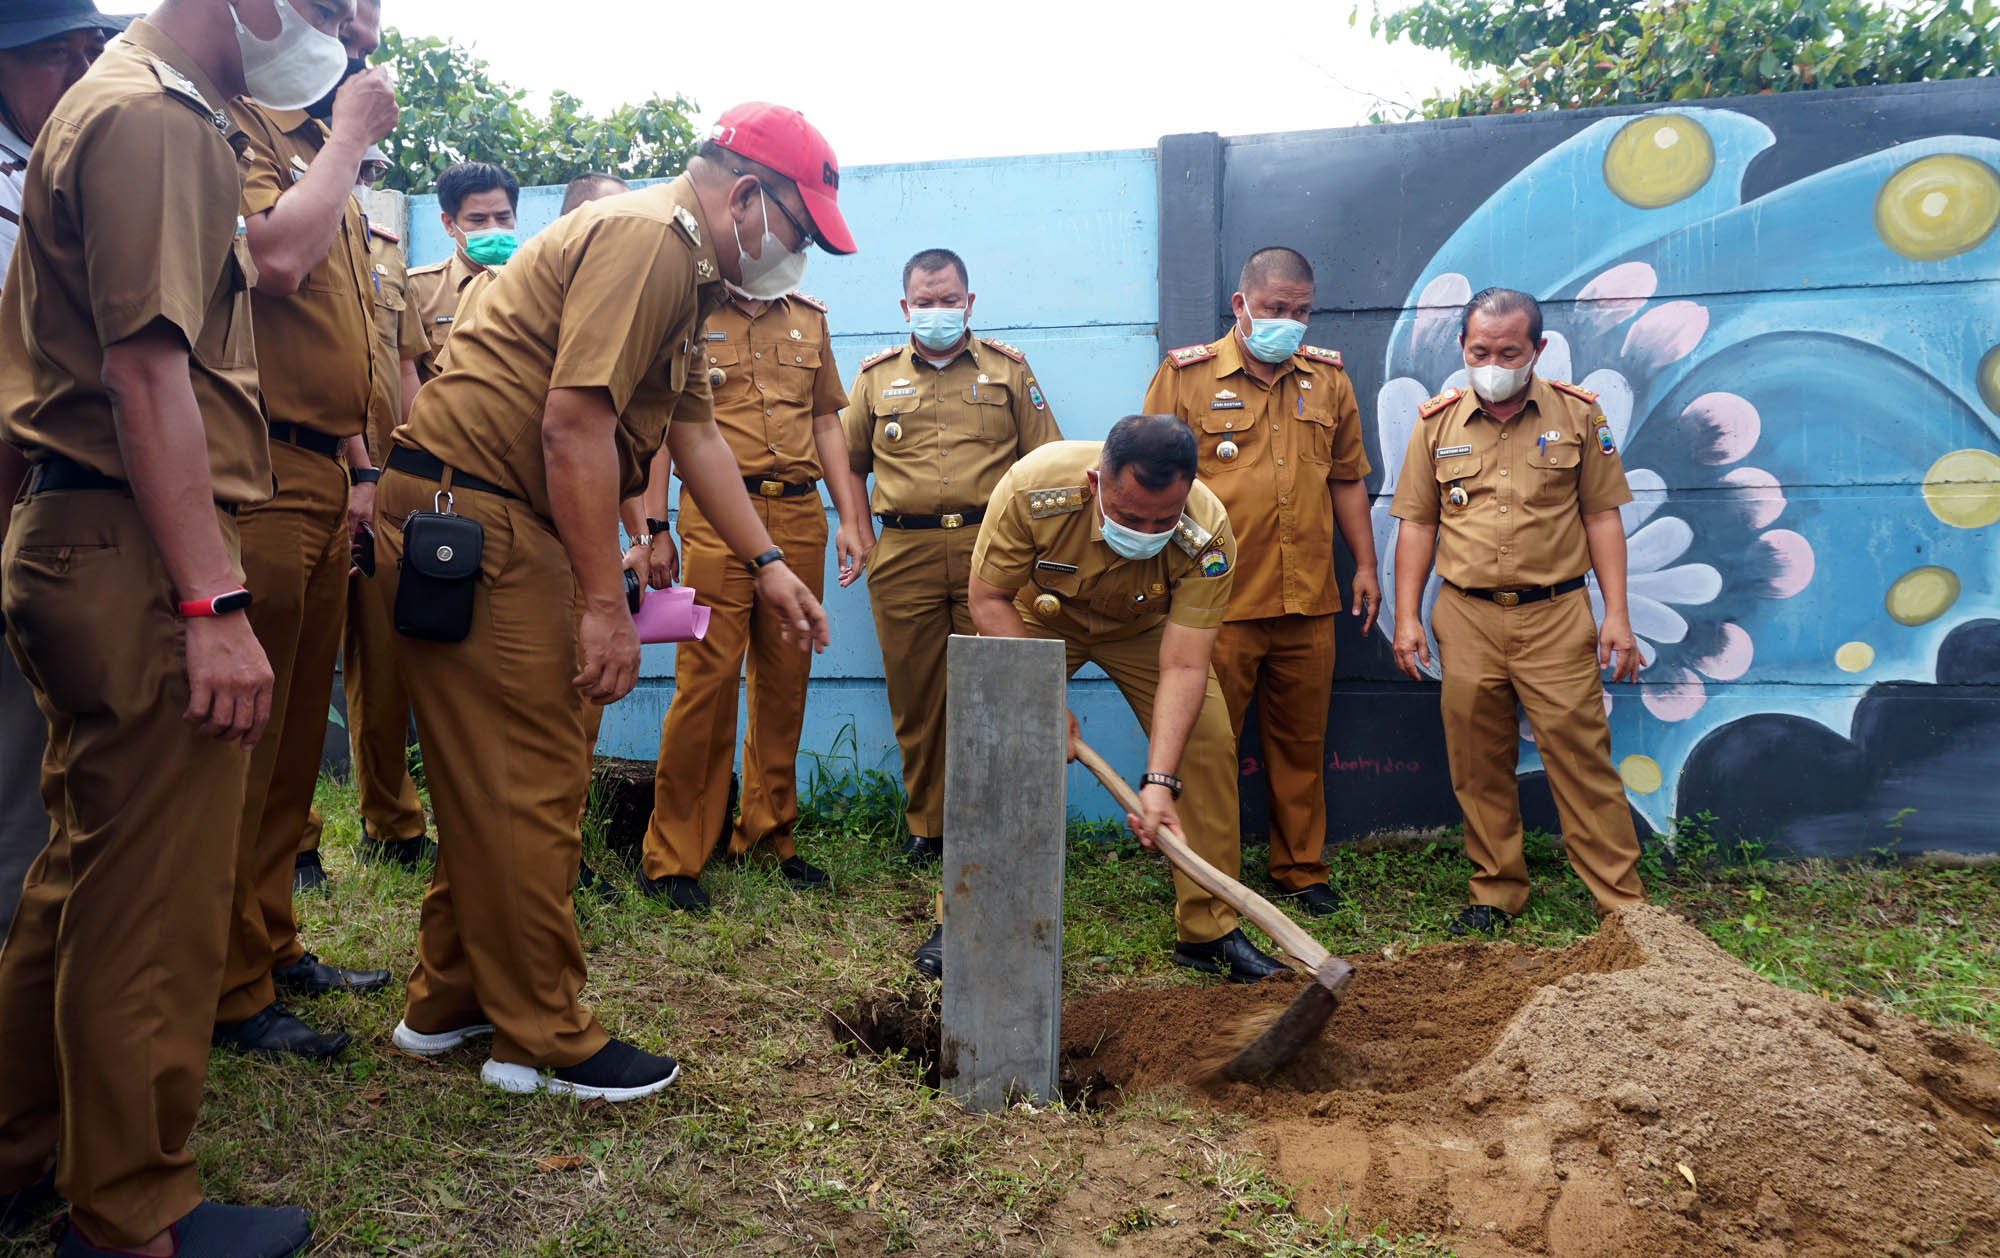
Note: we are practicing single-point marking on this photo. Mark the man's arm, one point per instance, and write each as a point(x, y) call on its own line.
point(360, 498)
point(1414, 545)
point(856, 535)
point(1185, 654)
point(164, 446)
point(1604, 532)
point(1350, 512)
point(993, 612)
point(663, 560)
point(581, 455)
point(407, 395)
point(293, 236)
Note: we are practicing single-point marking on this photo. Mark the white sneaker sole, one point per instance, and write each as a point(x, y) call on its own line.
point(523, 1080)
point(421, 1045)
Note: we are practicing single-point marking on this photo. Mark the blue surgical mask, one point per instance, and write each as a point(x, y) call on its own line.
point(1273, 340)
point(1131, 543)
point(937, 327)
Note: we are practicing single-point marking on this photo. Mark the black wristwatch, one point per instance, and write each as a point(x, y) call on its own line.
point(1168, 780)
point(363, 475)
point(764, 560)
point(655, 527)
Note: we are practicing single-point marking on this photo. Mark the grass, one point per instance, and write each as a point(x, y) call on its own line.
point(777, 1142)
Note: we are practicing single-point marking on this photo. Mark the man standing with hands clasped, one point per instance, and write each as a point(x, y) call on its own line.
point(1516, 482)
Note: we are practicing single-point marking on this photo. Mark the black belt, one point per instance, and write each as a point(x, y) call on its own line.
point(1514, 598)
point(307, 439)
point(54, 472)
point(949, 520)
point(427, 466)
point(761, 488)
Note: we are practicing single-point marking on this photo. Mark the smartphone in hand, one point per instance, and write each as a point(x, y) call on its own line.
point(364, 550)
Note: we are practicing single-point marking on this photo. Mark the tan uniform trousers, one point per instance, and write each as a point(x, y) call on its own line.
point(918, 586)
point(378, 716)
point(1286, 664)
point(108, 980)
point(698, 736)
point(504, 754)
point(295, 559)
point(1543, 656)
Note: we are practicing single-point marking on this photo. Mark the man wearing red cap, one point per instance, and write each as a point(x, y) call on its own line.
point(580, 358)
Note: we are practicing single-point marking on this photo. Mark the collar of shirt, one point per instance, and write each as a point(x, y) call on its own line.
point(1229, 361)
point(143, 34)
point(772, 305)
point(1472, 406)
point(459, 271)
point(914, 353)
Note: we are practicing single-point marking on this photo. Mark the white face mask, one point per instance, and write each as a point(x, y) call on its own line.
point(297, 68)
point(775, 270)
point(1496, 384)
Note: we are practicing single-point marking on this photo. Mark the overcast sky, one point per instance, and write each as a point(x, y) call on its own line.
point(898, 83)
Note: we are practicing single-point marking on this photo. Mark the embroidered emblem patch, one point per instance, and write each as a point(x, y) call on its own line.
point(1604, 441)
point(1213, 562)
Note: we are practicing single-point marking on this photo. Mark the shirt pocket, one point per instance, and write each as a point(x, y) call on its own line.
point(1552, 471)
point(723, 362)
point(1316, 438)
point(797, 363)
point(992, 410)
point(1229, 441)
point(1457, 471)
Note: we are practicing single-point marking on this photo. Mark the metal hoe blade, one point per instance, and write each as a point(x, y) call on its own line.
point(1295, 1027)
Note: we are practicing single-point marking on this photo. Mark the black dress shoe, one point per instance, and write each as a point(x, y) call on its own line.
point(309, 976)
point(218, 1231)
point(921, 852)
point(1318, 899)
point(801, 874)
point(1232, 955)
point(682, 892)
point(929, 956)
point(276, 1031)
point(590, 885)
point(308, 875)
point(412, 853)
point(1481, 919)
point(20, 1209)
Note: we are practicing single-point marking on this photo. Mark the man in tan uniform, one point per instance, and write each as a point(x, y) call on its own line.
point(1280, 439)
point(777, 401)
point(579, 357)
point(129, 383)
point(1516, 482)
point(476, 201)
point(938, 420)
point(1116, 549)
point(312, 306)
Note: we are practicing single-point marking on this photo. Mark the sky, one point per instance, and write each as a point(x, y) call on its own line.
point(890, 83)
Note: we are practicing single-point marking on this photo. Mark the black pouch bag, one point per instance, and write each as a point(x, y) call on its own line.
point(440, 574)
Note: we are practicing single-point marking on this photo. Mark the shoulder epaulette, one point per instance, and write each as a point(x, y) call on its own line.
point(809, 300)
point(430, 268)
point(685, 220)
point(1573, 390)
point(1043, 503)
point(180, 85)
point(384, 233)
point(1191, 537)
point(1438, 403)
point(1318, 355)
point(1187, 354)
point(880, 356)
point(1006, 349)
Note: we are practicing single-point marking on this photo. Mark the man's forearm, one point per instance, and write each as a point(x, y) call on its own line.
point(581, 456)
point(841, 482)
point(709, 470)
point(1604, 533)
point(289, 240)
point(995, 616)
point(407, 395)
point(1414, 544)
point(164, 446)
point(1176, 704)
point(357, 451)
point(1350, 512)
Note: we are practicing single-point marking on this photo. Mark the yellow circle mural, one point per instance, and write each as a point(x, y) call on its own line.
point(1853, 657)
point(1641, 774)
point(1963, 488)
point(1938, 206)
point(1658, 159)
point(1921, 595)
point(1989, 379)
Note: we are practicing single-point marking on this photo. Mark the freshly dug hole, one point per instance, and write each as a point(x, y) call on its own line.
point(885, 1024)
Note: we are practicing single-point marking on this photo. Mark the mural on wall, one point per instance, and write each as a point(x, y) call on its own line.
point(1805, 387)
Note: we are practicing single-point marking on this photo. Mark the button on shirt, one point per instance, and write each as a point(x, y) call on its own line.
point(771, 374)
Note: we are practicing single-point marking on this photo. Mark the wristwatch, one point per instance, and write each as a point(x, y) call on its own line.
point(764, 560)
point(1168, 780)
point(655, 527)
point(220, 605)
point(363, 475)
point(644, 541)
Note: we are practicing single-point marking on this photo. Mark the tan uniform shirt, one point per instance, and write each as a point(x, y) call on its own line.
point(611, 296)
point(1522, 487)
point(399, 335)
point(1044, 536)
point(130, 216)
point(957, 429)
point(771, 375)
point(313, 346)
point(437, 288)
point(1271, 453)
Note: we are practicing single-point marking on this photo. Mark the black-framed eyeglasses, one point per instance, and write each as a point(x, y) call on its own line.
point(807, 237)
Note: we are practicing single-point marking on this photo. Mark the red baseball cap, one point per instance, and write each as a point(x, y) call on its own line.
point(782, 139)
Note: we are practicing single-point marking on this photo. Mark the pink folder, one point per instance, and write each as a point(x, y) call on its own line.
point(671, 615)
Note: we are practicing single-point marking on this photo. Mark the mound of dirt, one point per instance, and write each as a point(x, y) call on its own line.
point(1640, 1093)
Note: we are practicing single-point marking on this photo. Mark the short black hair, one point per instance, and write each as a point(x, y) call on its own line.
point(1274, 262)
point(466, 178)
point(1503, 301)
point(934, 260)
point(1160, 450)
point(585, 188)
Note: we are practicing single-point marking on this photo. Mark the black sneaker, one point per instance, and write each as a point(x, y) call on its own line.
point(616, 1072)
point(590, 886)
point(309, 876)
point(801, 874)
point(1481, 919)
point(923, 852)
point(22, 1208)
point(413, 853)
point(929, 956)
point(1233, 956)
point(309, 976)
point(218, 1231)
point(276, 1031)
point(1318, 899)
point(682, 892)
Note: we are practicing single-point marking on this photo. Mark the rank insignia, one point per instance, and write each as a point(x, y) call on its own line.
point(1190, 354)
point(1043, 503)
point(1331, 357)
point(704, 268)
point(1573, 390)
point(1006, 349)
point(1035, 396)
point(686, 222)
point(1604, 441)
point(881, 355)
point(1213, 562)
point(1438, 403)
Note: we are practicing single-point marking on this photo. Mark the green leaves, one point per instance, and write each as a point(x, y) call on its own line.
point(454, 110)
point(1570, 54)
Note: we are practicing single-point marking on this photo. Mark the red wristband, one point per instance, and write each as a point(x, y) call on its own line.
point(221, 605)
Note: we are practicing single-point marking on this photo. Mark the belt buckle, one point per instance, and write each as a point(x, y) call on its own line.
point(951, 521)
point(1507, 598)
point(771, 488)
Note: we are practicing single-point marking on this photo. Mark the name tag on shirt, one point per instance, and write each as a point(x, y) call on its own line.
point(911, 391)
point(1445, 452)
point(1050, 565)
point(1221, 404)
point(718, 336)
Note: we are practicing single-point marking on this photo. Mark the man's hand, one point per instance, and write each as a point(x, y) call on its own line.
point(802, 621)
point(1075, 735)
point(1158, 803)
point(1615, 643)
point(639, 559)
point(1367, 597)
point(360, 508)
point(609, 643)
point(666, 566)
point(229, 679)
point(1411, 647)
point(852, 542)
point(365, 106)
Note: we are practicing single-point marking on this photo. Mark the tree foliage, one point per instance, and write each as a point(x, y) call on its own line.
point(1569, 54)
point(454, 110)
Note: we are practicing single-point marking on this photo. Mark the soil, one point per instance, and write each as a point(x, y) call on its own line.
point(1639, 1093)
